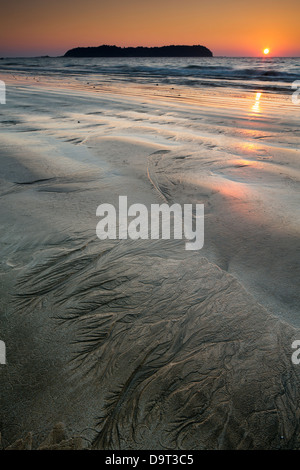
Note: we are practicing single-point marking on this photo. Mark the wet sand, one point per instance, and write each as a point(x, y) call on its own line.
point(141, 344)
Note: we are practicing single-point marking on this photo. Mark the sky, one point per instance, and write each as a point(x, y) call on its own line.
point(227, 28)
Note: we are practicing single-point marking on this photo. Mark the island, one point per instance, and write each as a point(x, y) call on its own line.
point(140, 51)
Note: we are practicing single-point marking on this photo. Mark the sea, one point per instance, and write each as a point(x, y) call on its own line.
point(269, 74)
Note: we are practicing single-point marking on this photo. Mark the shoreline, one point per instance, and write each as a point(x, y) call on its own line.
point(140, 331)
point(247, 166)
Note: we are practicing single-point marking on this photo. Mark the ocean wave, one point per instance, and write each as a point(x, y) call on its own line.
point(276, 74)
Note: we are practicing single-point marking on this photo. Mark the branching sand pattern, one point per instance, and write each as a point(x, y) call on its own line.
point(141, 344)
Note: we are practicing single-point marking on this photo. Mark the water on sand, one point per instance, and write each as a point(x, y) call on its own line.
point(139, 344)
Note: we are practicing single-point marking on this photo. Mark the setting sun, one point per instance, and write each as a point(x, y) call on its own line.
point(266, 51)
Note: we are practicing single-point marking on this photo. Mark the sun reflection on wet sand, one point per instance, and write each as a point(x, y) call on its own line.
point(248, 147)
point(240, 163)
point(256, 107)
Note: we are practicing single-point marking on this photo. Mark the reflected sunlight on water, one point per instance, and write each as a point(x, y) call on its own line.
point(256, 107)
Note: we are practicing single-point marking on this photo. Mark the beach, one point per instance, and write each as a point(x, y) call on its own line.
point(141, 344)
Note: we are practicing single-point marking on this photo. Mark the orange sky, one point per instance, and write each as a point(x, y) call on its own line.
point(232, 27)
